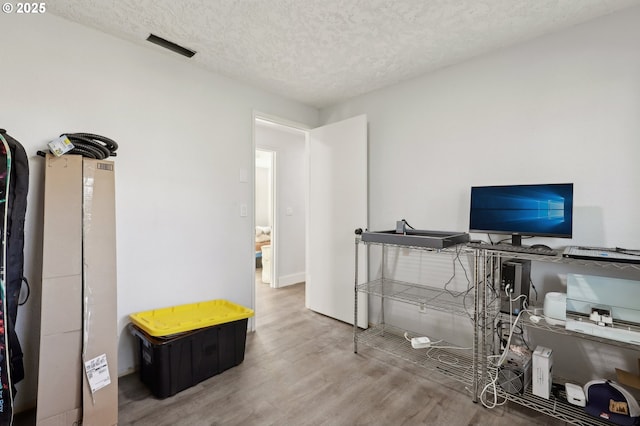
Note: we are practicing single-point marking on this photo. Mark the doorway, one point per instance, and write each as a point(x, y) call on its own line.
point(333, 178)
point(280, 199)
point(264, 202)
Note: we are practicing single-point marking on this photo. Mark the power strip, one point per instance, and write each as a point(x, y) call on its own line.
point(420, 342)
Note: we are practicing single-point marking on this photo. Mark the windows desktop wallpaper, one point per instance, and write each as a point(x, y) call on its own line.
point(544, 210)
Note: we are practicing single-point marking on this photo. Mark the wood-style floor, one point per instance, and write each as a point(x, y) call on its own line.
point(300, 369)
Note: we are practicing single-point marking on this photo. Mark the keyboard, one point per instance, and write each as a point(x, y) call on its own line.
point(516, 249)
point(603, 254)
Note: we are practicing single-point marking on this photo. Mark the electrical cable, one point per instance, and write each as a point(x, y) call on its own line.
point(90, 145)
point(512, 327)
point(470, 287)
point(492, 385)
point(503, 356)
point(407, 223)
point(457, 259)
point(630, 252)
point(493, 382)
point(450, 347)
point(535, 291)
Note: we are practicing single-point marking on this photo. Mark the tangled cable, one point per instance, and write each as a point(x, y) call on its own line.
point(90, 145)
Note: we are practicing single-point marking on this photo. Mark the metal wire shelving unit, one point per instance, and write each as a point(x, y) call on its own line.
point(481, 304)
point(415, 294)
point(444, 358)
point(557, 406)
point(453, 363)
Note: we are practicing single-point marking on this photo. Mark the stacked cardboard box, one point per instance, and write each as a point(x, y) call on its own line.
point(77, 379)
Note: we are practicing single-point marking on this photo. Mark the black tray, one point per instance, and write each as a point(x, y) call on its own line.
point(417, 238)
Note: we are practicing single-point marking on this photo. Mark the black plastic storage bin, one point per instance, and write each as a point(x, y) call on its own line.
point(171, 364)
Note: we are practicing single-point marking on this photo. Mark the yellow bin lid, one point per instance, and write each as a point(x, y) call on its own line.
point(178, 319)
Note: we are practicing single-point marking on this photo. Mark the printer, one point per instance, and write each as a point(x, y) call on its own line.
point(604, 307)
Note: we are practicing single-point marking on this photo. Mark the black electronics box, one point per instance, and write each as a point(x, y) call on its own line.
point(171, 364)
point(515, 276)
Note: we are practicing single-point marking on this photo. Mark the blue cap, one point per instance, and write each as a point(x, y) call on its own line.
point(610, 401)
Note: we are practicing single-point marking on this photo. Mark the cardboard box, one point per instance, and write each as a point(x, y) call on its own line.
point(79, 312)
point(100, 405)
point(629, 379)
point(60, 368)
point(542, 372)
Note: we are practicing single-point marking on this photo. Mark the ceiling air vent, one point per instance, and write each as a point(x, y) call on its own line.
point(171, 45)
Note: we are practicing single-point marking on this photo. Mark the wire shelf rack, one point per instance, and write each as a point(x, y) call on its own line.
point(556, 406)
point(460, 303)
point(560, 329)
point(604, 264)
point(454, 363)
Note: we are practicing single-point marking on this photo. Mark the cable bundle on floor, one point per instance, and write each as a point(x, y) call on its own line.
point(90, 145)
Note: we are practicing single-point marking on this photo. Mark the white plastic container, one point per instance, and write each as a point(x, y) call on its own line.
point(555, 308)
point(266, 264)
point(575, 395)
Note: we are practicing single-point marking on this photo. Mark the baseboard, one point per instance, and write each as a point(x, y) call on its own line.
point(285, 280)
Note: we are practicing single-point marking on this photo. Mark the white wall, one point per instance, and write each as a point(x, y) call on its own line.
point(562, 108)
point(290, 172)
point(263, 189)
point(185, 135)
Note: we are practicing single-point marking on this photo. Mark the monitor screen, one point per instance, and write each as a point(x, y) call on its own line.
point(533, 210)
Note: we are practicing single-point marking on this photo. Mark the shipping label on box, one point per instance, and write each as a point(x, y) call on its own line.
point(97, 371)
point(60, 146)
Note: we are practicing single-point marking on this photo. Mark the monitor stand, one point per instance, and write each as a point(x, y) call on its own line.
point(516, 240)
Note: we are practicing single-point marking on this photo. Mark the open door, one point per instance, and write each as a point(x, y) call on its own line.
point(337, 205)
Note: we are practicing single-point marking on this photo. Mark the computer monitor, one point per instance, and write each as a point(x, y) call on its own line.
point(544, 210)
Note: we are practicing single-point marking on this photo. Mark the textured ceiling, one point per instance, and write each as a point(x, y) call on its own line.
point(321, 52)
